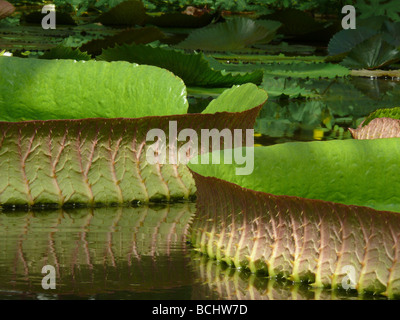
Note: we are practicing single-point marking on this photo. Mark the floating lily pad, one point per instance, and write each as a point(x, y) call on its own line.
point(378, 128)
point(348, 171)
point(372, 53)
point(393, 113)
point(296, 70)
point(194, 68)
point(61, 52)
point(6, 9)
point(135, 35)
point(295, 238)
point(345, 40)
point(235, 33)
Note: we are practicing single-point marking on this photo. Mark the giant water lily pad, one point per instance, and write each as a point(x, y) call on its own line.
point(6, 9)
point(194, 68)
point(352, 172)
point(378, 128)
point(382, 123)
point(128, 36)
point(345, 40)
point(235, 33)
point(102, 161)
point(372, 53)
point(302, 240)
point(98, 160)
point(64, 89)
point(62, 52)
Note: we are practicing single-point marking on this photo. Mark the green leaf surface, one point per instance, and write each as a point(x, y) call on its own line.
point(296, 70)
point(352, 172)
point(62, 52)
point(393, 113)
point(235, 33)
point(302, 240)
point(259, 57)
point(33, 89)
point(128, 36)
point(238, 99)
point(371, 8)
point(372, 53)
point(195, 69)
point(345, 40)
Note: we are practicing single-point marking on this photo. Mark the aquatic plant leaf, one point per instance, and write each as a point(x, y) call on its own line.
point(127, 13)
point(382, 123)
point(293, 70)
point(352, 172)
point(345, 40)
point(134, 35)
point(372, 8)
point(393, 113)
point(101, 161)
point(306, 70)
point(235, 33)
point(62, 52)
point(372, 53)
point(34, 89)
point(298, 239)
point(238, 99)
point(6, 9)
point(243, 56)
point(378, 128)
point(394, 33)
point(195, 69)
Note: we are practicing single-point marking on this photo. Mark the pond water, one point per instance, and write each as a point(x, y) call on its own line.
point(122, 253)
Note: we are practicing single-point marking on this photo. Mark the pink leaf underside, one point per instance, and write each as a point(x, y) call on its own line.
point(378, 128)
point(91, 161)
point(6, 9)
point(300, 239)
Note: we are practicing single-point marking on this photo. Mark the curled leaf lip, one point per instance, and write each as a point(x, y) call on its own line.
point(6, 9)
